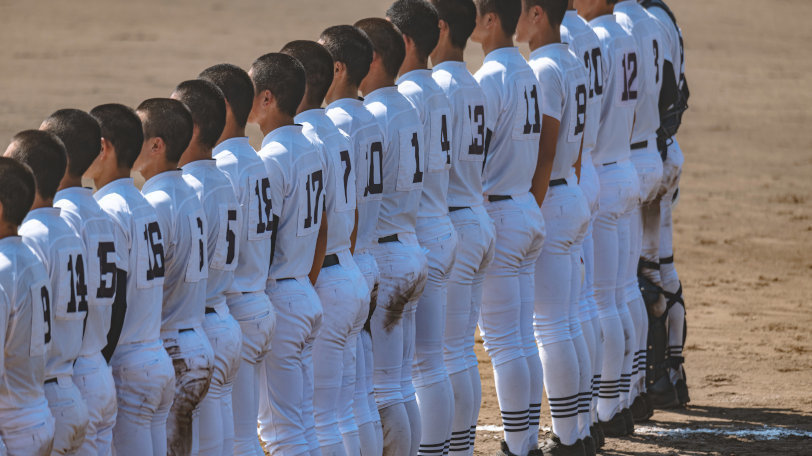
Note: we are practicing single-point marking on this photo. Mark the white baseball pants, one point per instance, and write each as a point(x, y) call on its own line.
point(70, 415)
point(29, 434)
point(94, 378)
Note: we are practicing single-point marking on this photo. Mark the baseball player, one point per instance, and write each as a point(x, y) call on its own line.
point(647, 161)
point(27, 426)
point(341, 286)
point(418, 21)
point(168, 129)
point(246, 298)
point(563, 81)
point(224, 220)
point(352, 54)
point(513, 95)
point(619, 188)
point(470, 128)
point(583, 42)
point(298, 187)
point(63, 254)
point(667, 347)
point(142, 370)
point(400, 259)
point(81, 134)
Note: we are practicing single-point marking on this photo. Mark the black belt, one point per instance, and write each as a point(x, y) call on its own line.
point(610, 163)
point(387, 239)
point(330, 260)
point(640, 145)
point(457, 208)
point(557, 182)
point(497, 198)
point(185, 330)
point(210, 310)
point(51, 381)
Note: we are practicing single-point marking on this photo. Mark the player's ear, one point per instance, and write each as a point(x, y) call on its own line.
point(443, 26)
point(339, 67)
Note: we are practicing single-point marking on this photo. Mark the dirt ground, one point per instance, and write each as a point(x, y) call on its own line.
point(743, 226)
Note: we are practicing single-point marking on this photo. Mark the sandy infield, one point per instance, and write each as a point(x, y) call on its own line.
point(743, 226)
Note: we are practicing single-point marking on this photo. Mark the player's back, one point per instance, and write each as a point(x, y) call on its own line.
point(63, 254)
point(403, 160)
point(434, 112)
point(514, 100)
point(366, 138)
point(223, 220)
point(249, 179)
point(563, 81)
point(651, 53)
point(139, 244)
point(339, 178)
point(181, 216)
point(87, 219)
point(621, 85)
point(26, 291)
point(672, 35)
point(583, 41)
point(296, 173)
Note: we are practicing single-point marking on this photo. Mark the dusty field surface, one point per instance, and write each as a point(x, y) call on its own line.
point(743, 226)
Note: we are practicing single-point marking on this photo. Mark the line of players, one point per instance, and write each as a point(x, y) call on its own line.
point(329, 285)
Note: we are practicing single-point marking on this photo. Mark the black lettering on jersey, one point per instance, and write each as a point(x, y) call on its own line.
point(201, 247)
point(231, 237)
point(445, 144)
point(629, 76)
point(375, 180)
point(580, 115)
point(262, 191)
point(656, 60)
point(418, 175)
point(345, 159)
point(46, 312)
point(78, 285)
point(152, 234)
point(314, 188)
point(594, 66)
point(107, 289)
point(533, 96)
point(477, 116)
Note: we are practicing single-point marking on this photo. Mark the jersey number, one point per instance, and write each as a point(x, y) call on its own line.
point(261, 189)
point(375, 181)
point(314, 187)
point(106, 289)
point(231, 237)
point(580, 115)
point(594, 64)
point(477, 117)
point(200, 245)
point(445, 144)
point(656, 60)
point(418, 175)
point(345, 159)
point(46, 312)
point(152, 234)
point(629, 76)
point(534, 97)
point(78, 286)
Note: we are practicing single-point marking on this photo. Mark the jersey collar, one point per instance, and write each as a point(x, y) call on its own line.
point(157, 179)
point(73, 193)
point(271, 137)
point(231, 144)
point(113, 186)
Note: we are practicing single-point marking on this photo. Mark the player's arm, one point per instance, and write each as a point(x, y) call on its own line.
point(354, 234)
point(321, 249)
point(579, 162)
point(544, 165)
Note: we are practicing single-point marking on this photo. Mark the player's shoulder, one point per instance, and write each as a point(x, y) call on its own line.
point(20, 267)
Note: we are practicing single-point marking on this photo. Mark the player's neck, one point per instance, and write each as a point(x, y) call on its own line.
point(153, 171)
point(70, 181)
point(413, 62)
point(7, 229)
point(232, 131)
point(40, 202)
point(195, 152)
point(447, 53)
point(111, 175)
point(547, 35)
point(341, 91)
point(496, 41)
point(273, 121)
point(306, 106)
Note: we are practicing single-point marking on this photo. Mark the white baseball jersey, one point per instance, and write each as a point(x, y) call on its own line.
point(185, 249)
point(434, 112)
point(621, 83)
point(563, 82)
point(139, 246)
point(672, 35)
point(583, 41)
point(25, 295)
point(82, 213)
point(514, 99)
point(366, 138)
point(471, 127)
point(244, 169)
point(404, 160)
point(651, 55)
point(63, 255)
point(224, 221)
point(339, 178)
point(298, 189)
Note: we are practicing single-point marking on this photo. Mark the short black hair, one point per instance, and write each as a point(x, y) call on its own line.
point(350, 46)
point(460, 15)
point(169, 120)
point(318, 66)
point(17, 190)
point(207, 106)
point(45, 154)
point(237, 88)
point(283, 76)
point(81, 135)
point(418, 19)
point(507, 10)
point(386, 41)
point(555, 9)
point(121, 127)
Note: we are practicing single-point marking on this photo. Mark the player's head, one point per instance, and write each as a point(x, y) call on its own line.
point(590, 9)
point(496, 18)
point(17, 190)
point(318, 66)
point(280, 86)
point(237, 88)
point(418, 21)
point(457, 20)
point(168, 128)
point(539, 18)
point(351, 50)
point(122, 136)
point(207, 107)
point(45, 154)
point(81, 135)
point(387, 42)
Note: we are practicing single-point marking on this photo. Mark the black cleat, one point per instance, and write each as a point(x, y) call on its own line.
point(682, 392)
point(616, 427)
point(598, 437)
point(505, 451)
point(554, 447)
point(589, 446)
point(640, 409)
point(662, 394)
point(629, 419)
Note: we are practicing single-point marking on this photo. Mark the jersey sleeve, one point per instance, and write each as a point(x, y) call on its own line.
point(552, 90)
